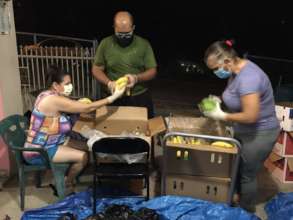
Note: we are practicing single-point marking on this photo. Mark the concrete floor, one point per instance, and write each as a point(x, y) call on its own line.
point(40, 197)
point(176, 100)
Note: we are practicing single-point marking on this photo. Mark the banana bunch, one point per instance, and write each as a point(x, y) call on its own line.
point(121, 82)
point(185, 140)
point(196, 142)
point(177, 140)
point(222, 144)
point(85, 100)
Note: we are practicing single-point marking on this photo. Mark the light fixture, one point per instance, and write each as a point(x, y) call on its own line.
point(5, 25)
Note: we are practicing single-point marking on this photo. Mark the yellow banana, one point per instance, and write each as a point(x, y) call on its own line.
point(85, 100)
point(175, 140)
point(121, 82)
point(197, 142)
point(222, 144)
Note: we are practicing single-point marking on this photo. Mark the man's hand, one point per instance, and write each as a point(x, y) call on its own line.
point(132, 80)
point(111, 86)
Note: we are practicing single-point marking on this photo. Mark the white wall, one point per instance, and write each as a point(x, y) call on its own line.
point(9, 72)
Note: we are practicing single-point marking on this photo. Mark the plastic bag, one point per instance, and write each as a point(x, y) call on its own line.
point(280, 207)
point(167, 207)
point(94, 135)
point(128, 158)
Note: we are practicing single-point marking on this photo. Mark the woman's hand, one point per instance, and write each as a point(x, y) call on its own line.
point(117, 94)
point(217, 113)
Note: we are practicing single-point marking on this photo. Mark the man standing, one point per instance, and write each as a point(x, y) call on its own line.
point(126, 54)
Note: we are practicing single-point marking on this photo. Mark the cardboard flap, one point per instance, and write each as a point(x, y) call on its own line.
point(118, 127)
point(199, 125)
point(290, 164)
point(121, 119)
point(156, 125)
point(121, 112)
point(83, 121)
point(274, 157)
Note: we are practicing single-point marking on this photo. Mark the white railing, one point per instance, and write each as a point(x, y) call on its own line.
point(34, 60)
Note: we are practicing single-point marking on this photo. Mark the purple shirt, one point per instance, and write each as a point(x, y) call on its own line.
point(251, 79)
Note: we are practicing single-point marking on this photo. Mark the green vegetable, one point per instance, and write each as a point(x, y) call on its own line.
point(207, 105)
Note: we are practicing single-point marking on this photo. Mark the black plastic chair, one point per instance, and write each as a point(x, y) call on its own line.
point(119, 170)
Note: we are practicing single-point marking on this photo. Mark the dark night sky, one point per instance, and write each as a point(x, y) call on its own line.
point(176, 30)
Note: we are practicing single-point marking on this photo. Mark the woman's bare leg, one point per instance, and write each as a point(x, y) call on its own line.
point(67, 154)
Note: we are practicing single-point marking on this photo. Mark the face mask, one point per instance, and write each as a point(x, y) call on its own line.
point(222, 74)
point(67, 89)
point(124, 39)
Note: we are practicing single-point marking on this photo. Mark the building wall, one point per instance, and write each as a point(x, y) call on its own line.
point(9, 72)
point(10, 92)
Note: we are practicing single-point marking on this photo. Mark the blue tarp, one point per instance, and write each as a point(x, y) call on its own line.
point(168, 207)
point(280, 207)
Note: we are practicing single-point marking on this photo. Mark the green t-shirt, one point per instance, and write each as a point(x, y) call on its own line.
point(118, 61)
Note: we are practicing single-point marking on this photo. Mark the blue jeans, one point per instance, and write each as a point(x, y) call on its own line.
point(256, 147)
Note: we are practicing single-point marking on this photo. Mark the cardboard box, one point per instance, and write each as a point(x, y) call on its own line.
point(280, 167)
point(186, 158)
point(284, 112)
point(188, 161)
point(197, 125)
point(284, 144)
point(114, 120)
point(206, 188)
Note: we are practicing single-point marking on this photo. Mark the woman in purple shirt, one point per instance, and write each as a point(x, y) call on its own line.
point(249, 98)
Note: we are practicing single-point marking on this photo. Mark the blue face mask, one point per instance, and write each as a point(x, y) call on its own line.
point(222, 74)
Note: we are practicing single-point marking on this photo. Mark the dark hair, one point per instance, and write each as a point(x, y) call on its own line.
point(55, 74)
point(221, 50)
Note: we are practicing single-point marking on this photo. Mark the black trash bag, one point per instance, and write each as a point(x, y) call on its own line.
point(72, 134)
point(123, 212)
point(67, 216)
point(99, 216)
point(76, 136)
point(118, 212)
point(146, 214)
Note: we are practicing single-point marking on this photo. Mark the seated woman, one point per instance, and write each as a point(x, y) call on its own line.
point(49, 125)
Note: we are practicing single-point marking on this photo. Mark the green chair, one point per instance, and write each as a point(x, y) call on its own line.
point(12, 130)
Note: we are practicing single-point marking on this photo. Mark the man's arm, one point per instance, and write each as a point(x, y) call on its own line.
point(141, 77)
point(98, 69)
point(147, 75)
point(99, 74)
point(150, 66)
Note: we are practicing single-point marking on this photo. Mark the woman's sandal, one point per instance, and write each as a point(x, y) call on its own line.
point(52, 186)
point(55, 193)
